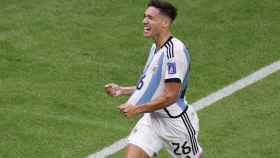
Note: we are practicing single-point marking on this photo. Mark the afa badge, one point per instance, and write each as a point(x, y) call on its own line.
point(171, 68)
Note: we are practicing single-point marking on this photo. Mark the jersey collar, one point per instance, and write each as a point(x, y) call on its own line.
point(169, 39)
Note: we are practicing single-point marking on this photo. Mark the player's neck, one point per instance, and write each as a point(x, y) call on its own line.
point(161, 39)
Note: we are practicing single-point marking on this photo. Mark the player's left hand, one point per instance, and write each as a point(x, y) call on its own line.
point(128, 110)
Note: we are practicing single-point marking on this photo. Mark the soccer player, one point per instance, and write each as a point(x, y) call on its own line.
point(168, 121)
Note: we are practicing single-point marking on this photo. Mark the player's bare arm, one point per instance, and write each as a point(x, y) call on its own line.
point(169, 96)
point(114, 90)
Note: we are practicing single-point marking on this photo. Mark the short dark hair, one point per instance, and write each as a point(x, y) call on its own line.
point(164, 7)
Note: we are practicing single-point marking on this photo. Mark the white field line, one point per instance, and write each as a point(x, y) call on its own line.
point(203, 102)
point(110, 150)
point(236, 86)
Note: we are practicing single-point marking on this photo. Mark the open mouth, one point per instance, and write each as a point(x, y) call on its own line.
point(146, 28)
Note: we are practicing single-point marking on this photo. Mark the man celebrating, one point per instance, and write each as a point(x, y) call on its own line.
point(168, 121)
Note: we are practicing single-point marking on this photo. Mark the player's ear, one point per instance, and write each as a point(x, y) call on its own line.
point(166, 22)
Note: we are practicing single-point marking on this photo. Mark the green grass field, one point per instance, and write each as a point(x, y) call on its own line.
point(56, 56)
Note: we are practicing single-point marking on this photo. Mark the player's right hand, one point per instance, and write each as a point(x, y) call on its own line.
point(113, 89)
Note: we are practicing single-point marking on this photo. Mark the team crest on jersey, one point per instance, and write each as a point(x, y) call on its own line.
point(171, 68)
point(154, 69)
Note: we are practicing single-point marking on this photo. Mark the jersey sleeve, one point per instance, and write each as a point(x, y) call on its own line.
point(176, 65)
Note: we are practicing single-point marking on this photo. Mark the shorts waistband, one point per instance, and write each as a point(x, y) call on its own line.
point(166, 114)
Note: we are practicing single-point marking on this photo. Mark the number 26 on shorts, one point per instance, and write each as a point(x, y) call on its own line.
point(179, 149)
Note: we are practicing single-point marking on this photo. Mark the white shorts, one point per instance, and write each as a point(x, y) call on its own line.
point(178, 135)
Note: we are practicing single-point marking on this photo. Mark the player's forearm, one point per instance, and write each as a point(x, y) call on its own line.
point(156, 104)
point(127, 90)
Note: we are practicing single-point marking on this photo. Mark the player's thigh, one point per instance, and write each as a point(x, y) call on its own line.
point(133, 151)
point(144, 137)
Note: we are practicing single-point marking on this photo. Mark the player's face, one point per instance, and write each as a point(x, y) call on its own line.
point(152, 22)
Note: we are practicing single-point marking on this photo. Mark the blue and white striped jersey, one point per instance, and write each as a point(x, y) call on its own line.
point(170, 63)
